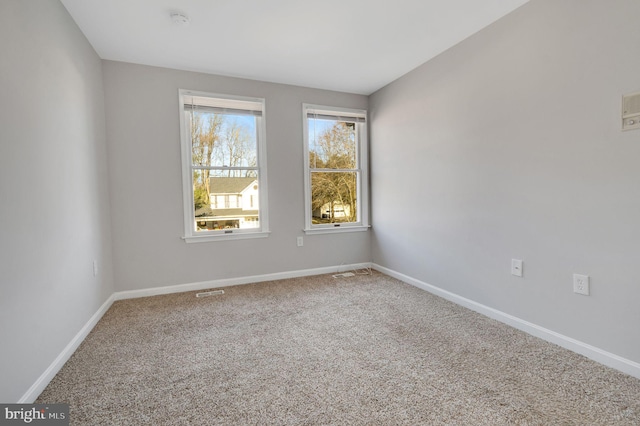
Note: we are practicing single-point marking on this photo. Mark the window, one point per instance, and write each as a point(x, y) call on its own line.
point(223, 164)
point(336, 177)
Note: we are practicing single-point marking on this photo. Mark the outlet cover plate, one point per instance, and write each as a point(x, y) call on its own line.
point(516, 267)
point(581, 284)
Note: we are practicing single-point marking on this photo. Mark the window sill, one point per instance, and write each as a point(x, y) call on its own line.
point(336, 230)
point(222, 237)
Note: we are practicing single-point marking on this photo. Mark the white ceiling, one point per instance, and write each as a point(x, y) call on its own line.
point(355, 46)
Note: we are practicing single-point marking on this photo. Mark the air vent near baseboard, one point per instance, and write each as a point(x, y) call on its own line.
point(210, 293)
point(631, 111)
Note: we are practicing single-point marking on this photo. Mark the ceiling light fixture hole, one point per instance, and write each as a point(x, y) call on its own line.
point(180, 18)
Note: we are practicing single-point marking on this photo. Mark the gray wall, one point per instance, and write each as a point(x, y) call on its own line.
point(506, 146)
point(54, 209)
point(146, 187)
point(509, 146)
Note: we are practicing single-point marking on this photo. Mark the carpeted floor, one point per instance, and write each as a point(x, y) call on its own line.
point(366, 350)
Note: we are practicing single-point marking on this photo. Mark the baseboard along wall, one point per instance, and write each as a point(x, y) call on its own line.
point(36, 389)
point(227, 282)
point(603, 357)
point(41, 383)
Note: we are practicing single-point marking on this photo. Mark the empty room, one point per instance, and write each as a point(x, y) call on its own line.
point(418, 212)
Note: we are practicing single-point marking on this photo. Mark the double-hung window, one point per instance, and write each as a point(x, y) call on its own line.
point(336, 177)
point(223, 166)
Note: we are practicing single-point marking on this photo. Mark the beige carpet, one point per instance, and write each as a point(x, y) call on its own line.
point(366, 350)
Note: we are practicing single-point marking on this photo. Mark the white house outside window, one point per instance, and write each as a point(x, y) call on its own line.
point(223, 164)
point(336, 176)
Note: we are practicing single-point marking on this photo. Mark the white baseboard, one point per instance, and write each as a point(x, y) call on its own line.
point(611, 360)
point(36, 389)
point(48, 375)
point(226, 282)
point(603, 357)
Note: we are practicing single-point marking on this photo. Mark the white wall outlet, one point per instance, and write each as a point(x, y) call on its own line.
point(581, 284)
point(516, 267)
point(300, 241)
point(95, 268)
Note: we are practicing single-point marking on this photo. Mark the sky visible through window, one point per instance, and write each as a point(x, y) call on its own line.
point(223, 140)
point(317, 127)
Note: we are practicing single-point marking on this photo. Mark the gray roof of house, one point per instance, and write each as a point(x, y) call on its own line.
point(212, 214)
point(229, 185)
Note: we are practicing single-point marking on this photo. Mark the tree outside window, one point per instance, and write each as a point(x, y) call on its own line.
point(334, 172)
point(223, 150)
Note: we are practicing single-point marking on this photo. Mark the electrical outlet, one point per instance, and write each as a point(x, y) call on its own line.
point(300, 241)
point(516, 267)
point(581, 284)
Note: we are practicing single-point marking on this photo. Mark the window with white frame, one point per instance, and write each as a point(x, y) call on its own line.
point(336, 176)
point(223, 166)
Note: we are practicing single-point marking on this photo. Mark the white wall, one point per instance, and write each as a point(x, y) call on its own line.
point(54, 206)
point(512, 142)
point(144, 163)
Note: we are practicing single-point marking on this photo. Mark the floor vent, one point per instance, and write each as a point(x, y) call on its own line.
point(344, 275)
point(210, 293)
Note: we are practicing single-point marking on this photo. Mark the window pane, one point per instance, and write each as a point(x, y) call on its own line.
point(222, 140)
point(332, 144)
point(333, 197)
point(225, 202)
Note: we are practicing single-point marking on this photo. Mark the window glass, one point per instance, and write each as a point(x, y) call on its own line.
point(224, 138)
point(335, 169)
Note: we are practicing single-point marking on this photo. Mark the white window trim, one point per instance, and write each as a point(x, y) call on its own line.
point(363, 165)
point(189, 235)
